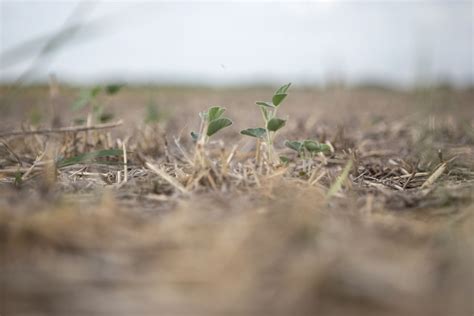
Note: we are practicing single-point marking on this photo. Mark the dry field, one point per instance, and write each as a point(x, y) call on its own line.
point(383, 224)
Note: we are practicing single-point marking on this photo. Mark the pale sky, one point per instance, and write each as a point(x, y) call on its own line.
point(244, 42)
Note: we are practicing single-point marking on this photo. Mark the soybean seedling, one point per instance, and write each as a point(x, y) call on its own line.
point(211, 122)
point(307, 149)
point(90, 97)
point(271, 122)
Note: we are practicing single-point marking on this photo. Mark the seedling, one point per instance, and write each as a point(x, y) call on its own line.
point(271, 122)
point(211, 122)
point(307, 148)
point(89, 98)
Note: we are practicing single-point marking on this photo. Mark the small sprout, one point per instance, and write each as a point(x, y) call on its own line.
point(307, 148)
point(275, 124)
point(257, 132)
point(271, 122)
point(89, 98)
point(211, 123)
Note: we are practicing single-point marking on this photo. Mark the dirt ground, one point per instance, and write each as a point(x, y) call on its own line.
point(396, 237)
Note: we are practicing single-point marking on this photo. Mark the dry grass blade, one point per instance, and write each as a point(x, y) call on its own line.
point(12, 152)
point(435, 175)
point(33, 166)
point(337, 185)
point(166, 177)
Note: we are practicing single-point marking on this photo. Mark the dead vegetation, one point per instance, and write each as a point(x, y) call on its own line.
point(138, 219)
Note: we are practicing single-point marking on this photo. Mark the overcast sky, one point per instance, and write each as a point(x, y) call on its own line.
point(223, 42)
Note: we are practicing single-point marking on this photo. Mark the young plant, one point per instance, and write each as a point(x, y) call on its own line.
point(211, 122)
point(307, 149)
point(89, 98)
point(271, 122)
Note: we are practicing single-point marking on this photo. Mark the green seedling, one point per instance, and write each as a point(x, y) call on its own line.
point(272, 123)
point(211, 122)
point(90, 98)
point(307, 148)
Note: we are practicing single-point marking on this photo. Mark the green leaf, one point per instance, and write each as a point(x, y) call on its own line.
point(315, 147)
point(278, 98)
point(324, 148)
point(283, 89)
point(88, 157)
point(266, 104)
point(217, 125)
point(113, 88)
point(293, 144)
point(311, 146)
point(215, 112)
point(275, 124)
point(195, 136)
point(254, 132)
